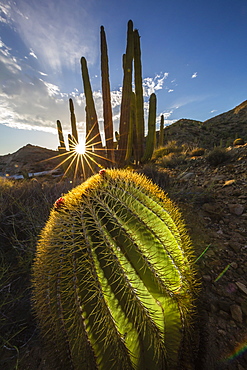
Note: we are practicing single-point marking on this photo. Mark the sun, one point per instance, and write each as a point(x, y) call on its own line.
point(80, 148)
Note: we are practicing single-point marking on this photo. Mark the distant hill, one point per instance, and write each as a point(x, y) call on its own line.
point(29, 158)
point(219, 130)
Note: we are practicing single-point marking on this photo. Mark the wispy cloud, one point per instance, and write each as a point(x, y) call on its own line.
point(194, 75)
point(32, 53)
point(188, 99)
point(52, 31)
point(151, 85)
point(8, 61)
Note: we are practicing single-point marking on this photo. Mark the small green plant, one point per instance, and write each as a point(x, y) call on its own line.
point(113, 281)
point(238, 141)
point(217, 156)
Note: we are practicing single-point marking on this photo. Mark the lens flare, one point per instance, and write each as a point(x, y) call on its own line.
point(80, 148)
point(84, 159)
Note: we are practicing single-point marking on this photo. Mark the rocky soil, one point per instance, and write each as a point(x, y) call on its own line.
point(214, 204)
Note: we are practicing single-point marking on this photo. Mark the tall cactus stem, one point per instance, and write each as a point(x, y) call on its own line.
point(161, 132)
point(139, 98)
point(132, 125)
point(106, 96)
point(60, 135)
point(151, 136)
point(71, 142)
point(73, 122)
point(93, 134)
point(126, 96)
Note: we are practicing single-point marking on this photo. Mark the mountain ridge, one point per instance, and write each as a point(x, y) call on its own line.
point(220, 130)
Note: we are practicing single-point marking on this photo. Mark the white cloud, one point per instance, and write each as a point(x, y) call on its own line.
point(33, 54)
point(4, 13)
point(51, 88)
point(194, 75)
point(213, 111)
point(53, 32)
point(43, 74)
point(150, 85)
point(170, 90)
point(8, 60)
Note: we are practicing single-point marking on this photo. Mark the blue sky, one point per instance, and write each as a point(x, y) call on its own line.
point(193, 56)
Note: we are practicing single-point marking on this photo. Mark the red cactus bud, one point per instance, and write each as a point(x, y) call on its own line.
point(102, 172)
point(59, 203)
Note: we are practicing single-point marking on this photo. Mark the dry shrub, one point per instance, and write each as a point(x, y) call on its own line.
point(171, 147)
point(24, 209)
point(217, 156)
point(173, 160)
point(161, 178)
point(197, 152)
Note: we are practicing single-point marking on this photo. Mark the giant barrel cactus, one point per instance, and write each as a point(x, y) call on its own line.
point(113, 281)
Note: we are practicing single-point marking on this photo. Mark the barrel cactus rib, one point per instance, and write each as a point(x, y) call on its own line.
point(120, 293)
point(142, 236)
point(113, 282)
point(156, 285)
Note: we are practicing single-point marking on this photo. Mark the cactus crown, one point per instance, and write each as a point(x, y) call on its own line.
point(113, 283)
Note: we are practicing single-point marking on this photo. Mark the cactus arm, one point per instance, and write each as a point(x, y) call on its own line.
point(139, 97)
point(73, 122)
point(93, 134)
point(150, 140)
point(60, 135)
point(70, 141)
point(131, 130)
point(106, 96)
point(161, 133)
point(126, 97)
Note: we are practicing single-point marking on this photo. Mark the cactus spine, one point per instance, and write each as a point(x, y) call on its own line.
point(113, 281)
point(150, 140)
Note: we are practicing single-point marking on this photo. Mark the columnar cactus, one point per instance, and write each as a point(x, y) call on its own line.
point(139, 98)
point(113, 281)
point(93, 135)
point(151, 136)
point(73, 122)
point(106, 96)
point(126, 96)
point(60, 136)
point(161, 133)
